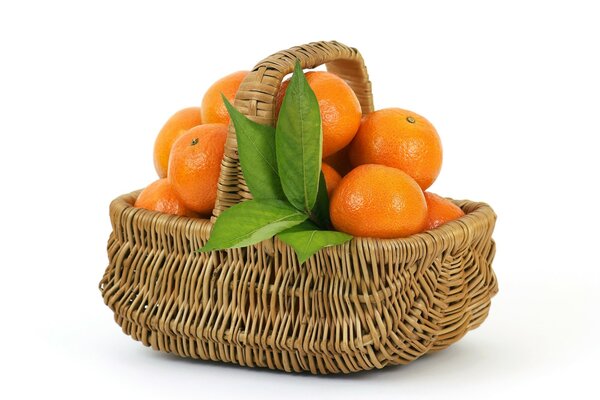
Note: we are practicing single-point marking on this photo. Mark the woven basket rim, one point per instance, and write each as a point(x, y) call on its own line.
point(476, 213)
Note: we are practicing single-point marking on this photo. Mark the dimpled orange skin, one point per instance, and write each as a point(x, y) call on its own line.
point(213, 107)
point(175, 126)
point(340, 109)
point(378, 201)
point(440, 210)
point(195, 165)
point(160, 196)
point(332, 178)
point(401, 139)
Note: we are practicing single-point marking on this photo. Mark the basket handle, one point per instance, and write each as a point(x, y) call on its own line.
point(256, 100)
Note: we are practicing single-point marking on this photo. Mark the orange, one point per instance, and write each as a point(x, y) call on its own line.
point(160, 196)
point(378, 201)
point(340, 161)
point(440, 210)
point(195, 164)
point(175, 126)
point(401, 139)
point(340, 109)
point(213, 108)
point(332, 178)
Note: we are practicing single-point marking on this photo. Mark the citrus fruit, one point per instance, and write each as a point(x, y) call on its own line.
point(340, 161)
point(440, 210)
point(378, 201)
point(401, 139)
point(160, 196)
point(340, 109)
point(213, 108)
point(332, 178)
point(175, 126)
point(195, 164)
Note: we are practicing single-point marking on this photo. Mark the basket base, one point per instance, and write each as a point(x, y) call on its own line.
point(275, 360)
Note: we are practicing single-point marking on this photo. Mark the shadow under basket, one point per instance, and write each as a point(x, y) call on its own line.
point(366, 304)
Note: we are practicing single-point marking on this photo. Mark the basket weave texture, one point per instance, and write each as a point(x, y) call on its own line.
point(365, 304)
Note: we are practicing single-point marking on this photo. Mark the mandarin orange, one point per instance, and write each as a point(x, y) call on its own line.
point(160, 196)
point(440, 210)
point(332, 178)
point(378, 201)
point(195, 165)
point(340, 109)
point(175, 126)
point(401, 139)
point(213, 108)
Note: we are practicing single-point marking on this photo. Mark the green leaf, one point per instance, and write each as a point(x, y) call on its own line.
point(251, 222)
point(307, 239)
point(256, 148)
point(298, 141)
point(320, 212)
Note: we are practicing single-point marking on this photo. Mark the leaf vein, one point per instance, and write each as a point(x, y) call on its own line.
point(262, 155)
point(235, 239)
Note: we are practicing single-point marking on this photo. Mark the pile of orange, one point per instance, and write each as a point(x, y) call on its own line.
point(188, 152)
point(377, 166)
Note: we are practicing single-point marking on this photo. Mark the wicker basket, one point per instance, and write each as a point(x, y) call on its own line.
point(365, 304)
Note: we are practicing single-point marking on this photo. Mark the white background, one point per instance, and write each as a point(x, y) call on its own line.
point(512, 87)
